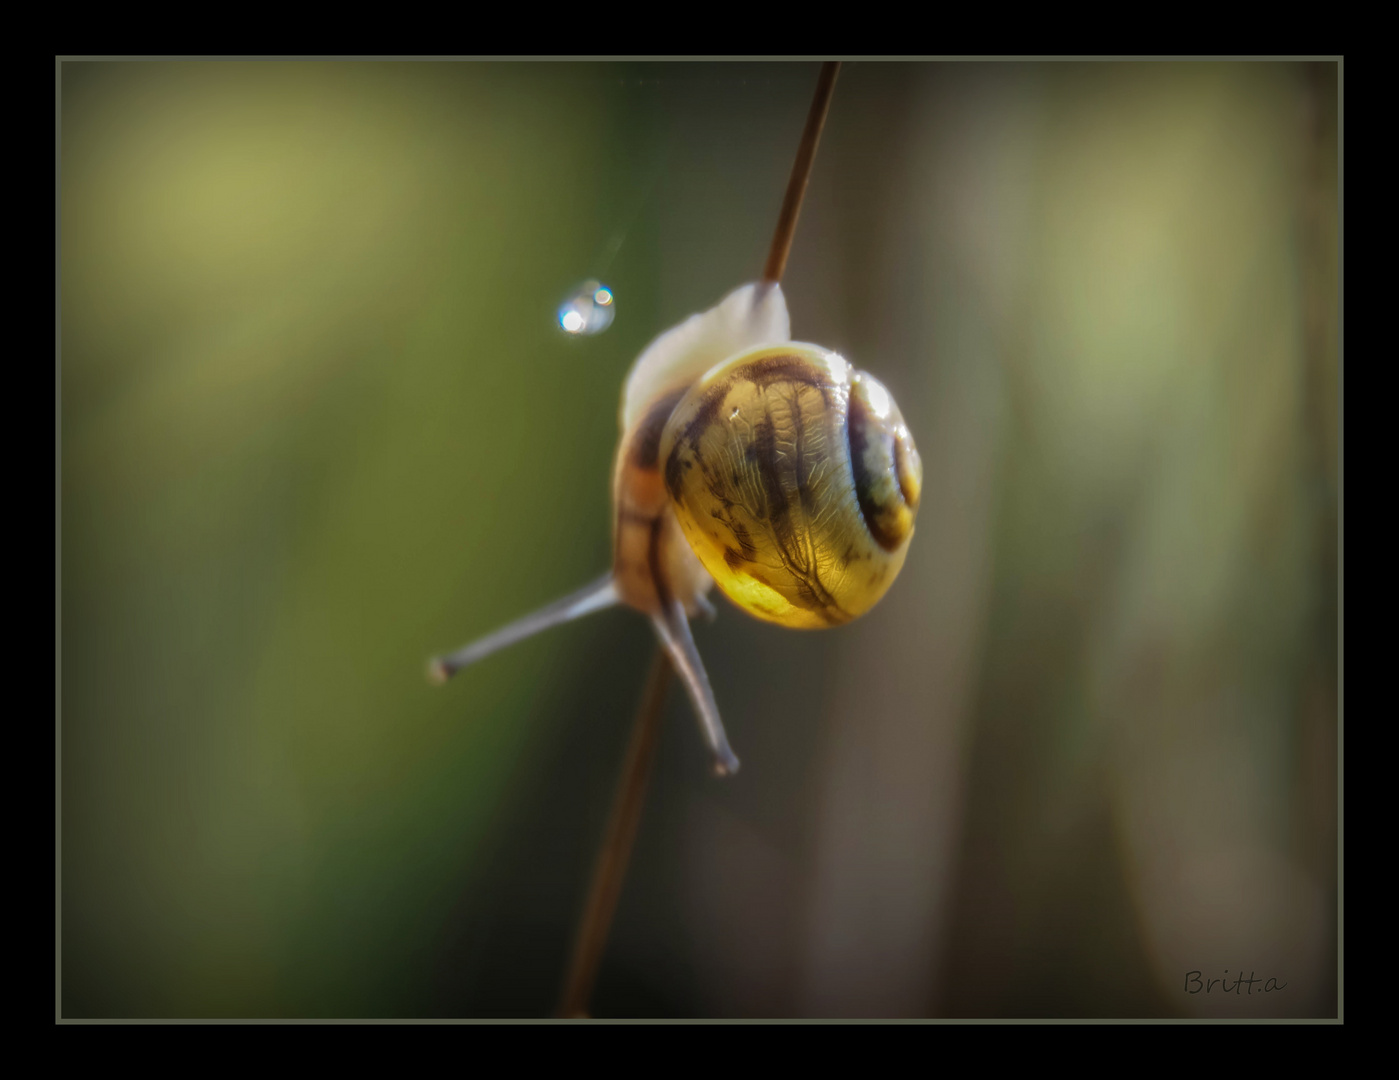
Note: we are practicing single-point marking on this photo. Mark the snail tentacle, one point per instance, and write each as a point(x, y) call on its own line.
point(598, 596)
point(673, 628)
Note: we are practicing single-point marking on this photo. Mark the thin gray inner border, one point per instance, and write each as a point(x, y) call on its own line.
point(1338, 60)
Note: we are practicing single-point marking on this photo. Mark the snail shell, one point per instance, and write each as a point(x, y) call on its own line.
point(795, 480)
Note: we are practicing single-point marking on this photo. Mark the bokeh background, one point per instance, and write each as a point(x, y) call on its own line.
point(318, 422)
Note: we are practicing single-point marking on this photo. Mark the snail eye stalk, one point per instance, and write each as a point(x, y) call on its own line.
point(673, 628)
point(598, 596)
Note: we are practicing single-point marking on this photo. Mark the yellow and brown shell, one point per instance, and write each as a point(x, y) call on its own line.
point(796, 483)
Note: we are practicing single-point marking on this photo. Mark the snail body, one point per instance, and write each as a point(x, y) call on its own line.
point(771, 468)
point(662, 375)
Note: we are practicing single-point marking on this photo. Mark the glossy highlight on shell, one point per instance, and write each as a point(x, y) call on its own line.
point(796, 483)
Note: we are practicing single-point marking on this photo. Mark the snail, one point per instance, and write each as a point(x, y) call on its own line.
point(770, 468)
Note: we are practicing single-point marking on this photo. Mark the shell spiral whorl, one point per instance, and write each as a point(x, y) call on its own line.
point(796, 483)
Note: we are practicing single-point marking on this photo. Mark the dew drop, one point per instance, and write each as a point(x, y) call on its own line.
point(589, 310)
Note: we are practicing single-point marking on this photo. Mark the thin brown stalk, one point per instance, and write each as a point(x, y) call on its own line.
point(801, 172)
point(616, 849)
point(612, 861)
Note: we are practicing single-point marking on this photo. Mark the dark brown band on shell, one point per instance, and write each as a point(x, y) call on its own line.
point(863, 429)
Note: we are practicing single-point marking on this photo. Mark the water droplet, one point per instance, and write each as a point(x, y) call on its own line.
point(590, 310)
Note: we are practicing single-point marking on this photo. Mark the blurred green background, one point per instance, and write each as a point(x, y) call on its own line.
point(318, 423)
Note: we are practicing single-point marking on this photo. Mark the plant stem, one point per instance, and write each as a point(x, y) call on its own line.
point(616, 849)
point(801, 172)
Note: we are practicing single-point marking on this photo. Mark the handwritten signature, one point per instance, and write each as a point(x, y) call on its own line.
point(1196, 983)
